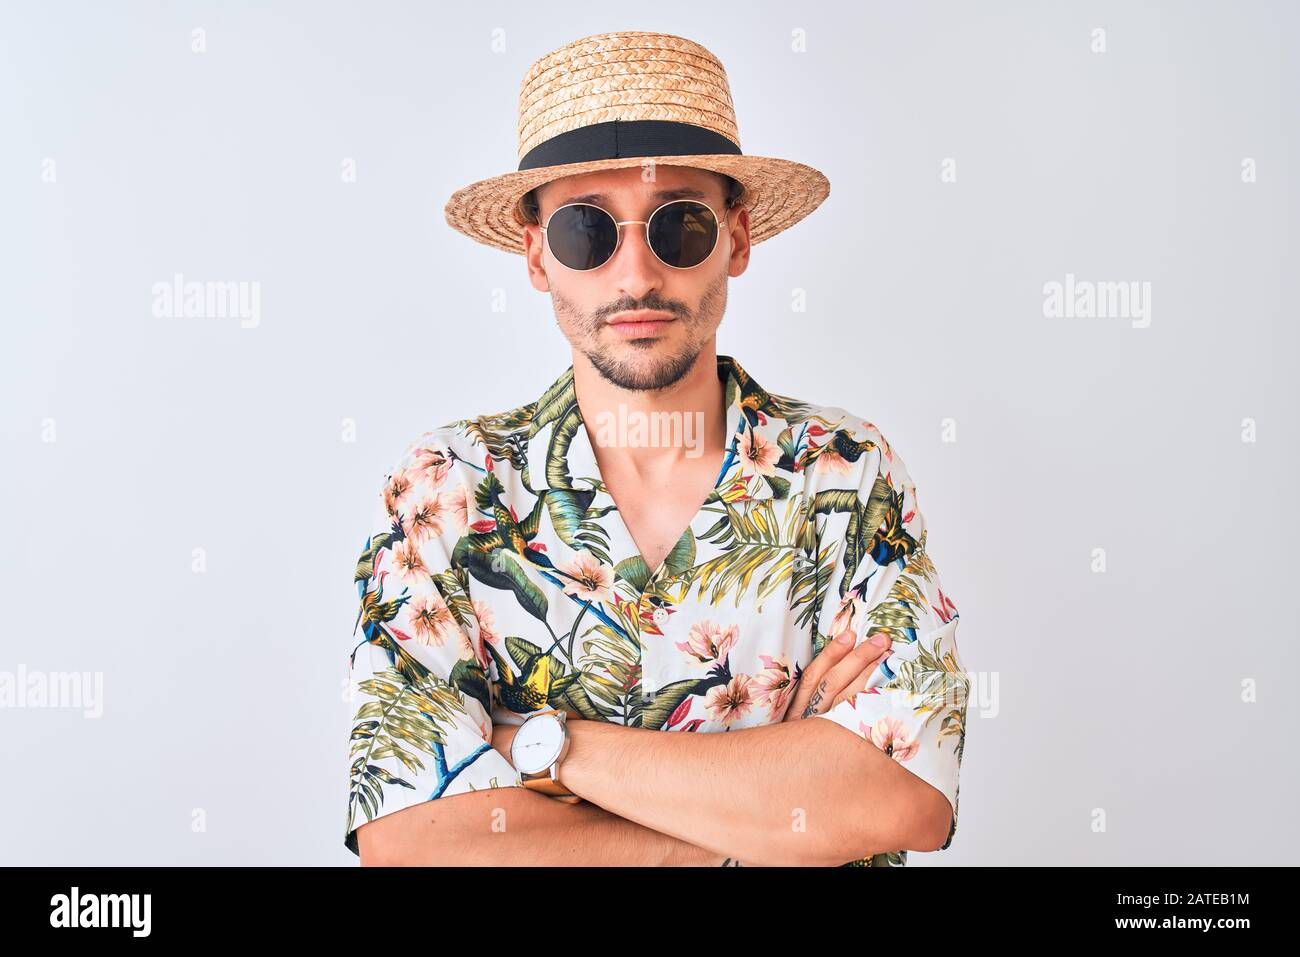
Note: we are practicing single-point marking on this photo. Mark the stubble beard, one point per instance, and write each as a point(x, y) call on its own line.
point(653, 372)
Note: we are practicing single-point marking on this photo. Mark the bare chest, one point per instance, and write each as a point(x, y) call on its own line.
point(656, 515)
point(656, 527)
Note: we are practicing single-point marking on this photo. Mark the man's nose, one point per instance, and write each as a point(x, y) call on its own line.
point(636, 268)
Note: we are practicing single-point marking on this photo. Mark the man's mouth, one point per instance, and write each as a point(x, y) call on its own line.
point(640, 323)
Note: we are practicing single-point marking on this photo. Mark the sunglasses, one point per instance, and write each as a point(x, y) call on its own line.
point(681, 233)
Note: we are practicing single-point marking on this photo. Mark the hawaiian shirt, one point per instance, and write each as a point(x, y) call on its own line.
point(500, 580)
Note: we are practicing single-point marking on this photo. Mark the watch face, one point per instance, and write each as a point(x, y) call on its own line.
point(537, 744)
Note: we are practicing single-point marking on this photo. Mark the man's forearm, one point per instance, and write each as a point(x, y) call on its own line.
point(794, 793)
point(516, 827)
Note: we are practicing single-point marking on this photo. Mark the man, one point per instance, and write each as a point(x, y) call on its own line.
point(654, 544)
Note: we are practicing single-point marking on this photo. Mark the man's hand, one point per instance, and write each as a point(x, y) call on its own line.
point(837, 673)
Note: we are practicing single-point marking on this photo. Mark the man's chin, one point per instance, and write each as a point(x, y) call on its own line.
point(643, 364)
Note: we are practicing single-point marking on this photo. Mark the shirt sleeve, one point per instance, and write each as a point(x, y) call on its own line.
point(914, 708)
point(418, 673)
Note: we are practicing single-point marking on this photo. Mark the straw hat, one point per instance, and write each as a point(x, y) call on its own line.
point(614, 100)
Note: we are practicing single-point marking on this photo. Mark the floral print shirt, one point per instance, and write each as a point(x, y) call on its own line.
point(499, 580)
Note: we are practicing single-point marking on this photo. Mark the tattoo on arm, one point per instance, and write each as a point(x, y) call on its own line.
point(813, 702)
point(732, 862)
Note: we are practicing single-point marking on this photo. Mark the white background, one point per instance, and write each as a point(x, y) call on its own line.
point(1119, 691)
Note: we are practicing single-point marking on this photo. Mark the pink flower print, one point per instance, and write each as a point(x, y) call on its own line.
point(773, 685)
point(460, 507)
point(890, 735)
point(727, 704)
point(486, 619)
point(433, 463)
point(592, 580)
point(830, 461)
point(758, 452)
point(424, 520)
point(707, 641)
point(398, 488)
point(431, 619)
point(410, 564)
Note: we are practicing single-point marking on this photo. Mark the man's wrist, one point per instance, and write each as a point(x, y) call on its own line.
point(575, 773)
point(564, 769)
point(580, 769)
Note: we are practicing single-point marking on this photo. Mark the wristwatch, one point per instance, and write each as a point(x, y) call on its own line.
point(536, 749)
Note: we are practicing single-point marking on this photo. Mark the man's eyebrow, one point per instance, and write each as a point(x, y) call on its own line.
point(662, 196)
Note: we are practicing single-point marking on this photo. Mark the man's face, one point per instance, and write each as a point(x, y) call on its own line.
point(691, 300)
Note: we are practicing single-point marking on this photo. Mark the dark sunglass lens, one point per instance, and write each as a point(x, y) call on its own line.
point(683, 234)
point(581, 236)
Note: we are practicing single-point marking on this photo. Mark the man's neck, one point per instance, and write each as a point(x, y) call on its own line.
point(646, 435)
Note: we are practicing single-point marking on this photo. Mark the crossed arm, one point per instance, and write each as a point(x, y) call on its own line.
point(796, 793)
point(806, 793)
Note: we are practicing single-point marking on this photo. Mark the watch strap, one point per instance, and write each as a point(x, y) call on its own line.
point(543, 784)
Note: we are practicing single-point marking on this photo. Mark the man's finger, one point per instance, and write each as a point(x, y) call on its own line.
point(859, 684)
point(847, 671)
point(832, 652)
point(847, 668)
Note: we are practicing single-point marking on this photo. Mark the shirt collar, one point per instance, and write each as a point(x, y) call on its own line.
point(560, 452)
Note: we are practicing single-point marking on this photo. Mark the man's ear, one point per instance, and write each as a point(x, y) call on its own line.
point(738, 227)
point(533, 259)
